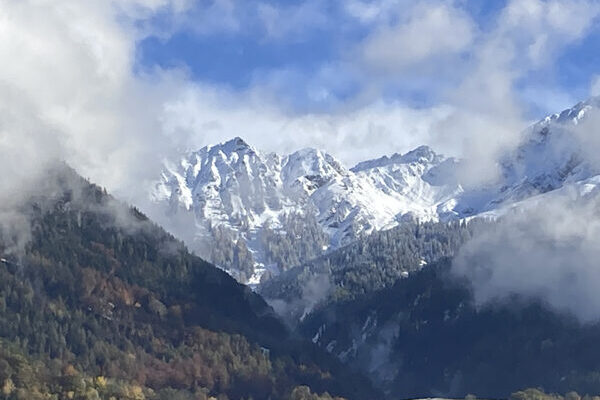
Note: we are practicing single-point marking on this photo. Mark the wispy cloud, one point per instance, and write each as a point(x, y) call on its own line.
point(424, 37)
point(595, 86)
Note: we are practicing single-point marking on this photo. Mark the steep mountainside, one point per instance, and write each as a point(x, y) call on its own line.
point(425, 337)
point(100, 302)
point(236, 206)
point(364, 266)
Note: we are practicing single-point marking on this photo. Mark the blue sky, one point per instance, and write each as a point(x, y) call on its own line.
point(309, 59)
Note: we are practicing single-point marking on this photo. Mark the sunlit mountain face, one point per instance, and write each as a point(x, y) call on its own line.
point(233, 196)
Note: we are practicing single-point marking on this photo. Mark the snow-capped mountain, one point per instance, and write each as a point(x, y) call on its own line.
point(240, 189)
point(236, 189)
point(552, 153)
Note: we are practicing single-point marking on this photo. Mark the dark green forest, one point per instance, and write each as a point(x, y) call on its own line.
point(299, 238)
point(370, 264)
point(103, 304)
point(424, 336)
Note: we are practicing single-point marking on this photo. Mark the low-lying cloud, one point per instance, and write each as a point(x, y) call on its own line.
point(316, 290)
point(549, 252)
point(547, 246)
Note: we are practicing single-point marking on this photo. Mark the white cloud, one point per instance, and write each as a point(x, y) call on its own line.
point(68, 90)
point(294, 21)
point(548, 247)
point(264, 20)
point(548, 99)
point(429, 33)
point(210, 116)
point(476, 70)
point(549, 252)
point(527, 36)
point(373, 11)
point(595, 86)
point(539, 28)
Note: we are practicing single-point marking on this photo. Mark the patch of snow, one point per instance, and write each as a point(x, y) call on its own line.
point(318, 335)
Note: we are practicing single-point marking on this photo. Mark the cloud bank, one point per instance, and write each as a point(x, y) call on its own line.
point(547, 248)
point(550, 253)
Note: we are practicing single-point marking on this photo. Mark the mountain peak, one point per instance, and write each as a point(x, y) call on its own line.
point(311, 162)
point(230, 147)
point(573, 115)
point(422, 154)
point(235, 145)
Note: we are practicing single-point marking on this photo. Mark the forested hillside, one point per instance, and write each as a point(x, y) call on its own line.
point(102, 303)
point(365, 266)
point(298, 238)
point(424, 336)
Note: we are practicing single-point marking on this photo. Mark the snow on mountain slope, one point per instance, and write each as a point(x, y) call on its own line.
point(553, 153)
point(229, 183)
point(236, 187)
point(250, 194)
point(573, 191)
point(416, 183)
point(550, 155)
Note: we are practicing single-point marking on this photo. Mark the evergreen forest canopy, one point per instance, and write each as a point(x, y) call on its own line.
point(101, 303)
point(365, 266)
